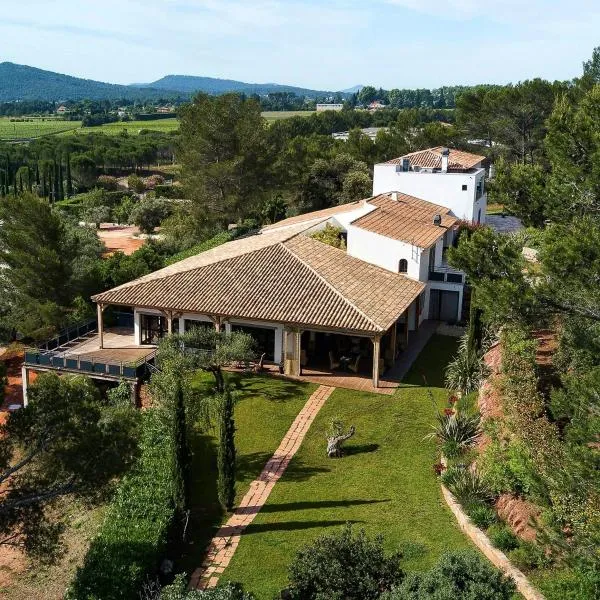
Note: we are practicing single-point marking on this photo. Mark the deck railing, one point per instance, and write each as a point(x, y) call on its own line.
point(56, 359)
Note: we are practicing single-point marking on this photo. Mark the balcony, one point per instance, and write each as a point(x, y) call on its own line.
point(120, 357)
point(444, 273)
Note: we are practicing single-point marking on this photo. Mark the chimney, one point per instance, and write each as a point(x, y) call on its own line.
point(445, 156)
point(394, 196)
point(437, 220)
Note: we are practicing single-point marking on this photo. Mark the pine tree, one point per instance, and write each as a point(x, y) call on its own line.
point(226, 457)
point(61, 182)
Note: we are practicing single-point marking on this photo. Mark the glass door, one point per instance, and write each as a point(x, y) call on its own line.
point(153, 328)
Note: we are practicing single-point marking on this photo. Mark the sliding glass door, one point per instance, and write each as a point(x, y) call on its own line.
point(153, 328)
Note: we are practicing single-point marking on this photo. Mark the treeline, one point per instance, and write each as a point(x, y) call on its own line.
point(57, 167)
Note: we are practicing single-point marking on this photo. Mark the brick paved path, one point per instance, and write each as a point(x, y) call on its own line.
point(225, 542)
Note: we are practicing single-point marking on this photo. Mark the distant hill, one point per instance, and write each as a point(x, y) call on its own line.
point(212, 85)
point(353, 90)
point(20, 82)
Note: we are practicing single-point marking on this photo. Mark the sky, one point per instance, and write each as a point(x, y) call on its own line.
point(326, 44)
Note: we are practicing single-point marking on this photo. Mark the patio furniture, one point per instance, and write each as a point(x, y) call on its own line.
point(355, 365)
point(260, 366)
point(333, 364)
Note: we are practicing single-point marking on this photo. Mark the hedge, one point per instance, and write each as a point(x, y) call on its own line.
point(133, 537)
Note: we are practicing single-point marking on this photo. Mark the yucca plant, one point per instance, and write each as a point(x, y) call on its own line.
point(466, 372)
point(456, 432)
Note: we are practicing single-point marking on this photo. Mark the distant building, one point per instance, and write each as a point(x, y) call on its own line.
point(62, 109)
point(165, 109)
point(331, 106)
point(370, 132)
point(376, 105)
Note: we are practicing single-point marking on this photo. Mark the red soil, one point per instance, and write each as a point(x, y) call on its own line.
point(117, 237)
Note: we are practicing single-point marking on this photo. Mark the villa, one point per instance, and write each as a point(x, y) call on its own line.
point(309, 306)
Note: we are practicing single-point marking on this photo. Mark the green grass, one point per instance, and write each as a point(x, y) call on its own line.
point(264, 411)
point(33, 128)
point(132, 127)
point(276, 115)
point(385, 482)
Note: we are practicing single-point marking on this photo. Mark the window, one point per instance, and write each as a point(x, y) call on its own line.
point(464, 187)
point(479, 216)
point(403, 266)
point(153, 328)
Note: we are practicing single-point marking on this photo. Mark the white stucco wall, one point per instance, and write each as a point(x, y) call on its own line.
point(440, 188)
point(383, 251)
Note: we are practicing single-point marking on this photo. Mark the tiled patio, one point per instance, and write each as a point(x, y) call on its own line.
point(350, 381)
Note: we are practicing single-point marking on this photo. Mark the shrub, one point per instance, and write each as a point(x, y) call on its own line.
point(107, 182)
point(343, 565)
point(465, 575)
point(331, 236)
point(148, 213)
point(466, 372)
point(467, 486)
point(456, 432)
point(502, 537)
point(481, 514)
point(528, 556)
point(134, 534)
point(178, 590)
point(136, 184)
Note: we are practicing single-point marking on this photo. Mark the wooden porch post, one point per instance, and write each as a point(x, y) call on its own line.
point(376, 351)
point(169, 323)
point(100, 310)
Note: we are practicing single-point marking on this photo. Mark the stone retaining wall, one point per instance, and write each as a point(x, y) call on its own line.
point(495, 556)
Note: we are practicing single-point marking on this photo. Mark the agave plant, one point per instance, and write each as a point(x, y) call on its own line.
point(456, 432)
point(467, 486)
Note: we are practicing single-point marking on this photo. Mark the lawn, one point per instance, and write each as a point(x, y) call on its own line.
point(133, 127)
point(265, 409)
point(34, 127)
point(276, 115)
point(385, 482)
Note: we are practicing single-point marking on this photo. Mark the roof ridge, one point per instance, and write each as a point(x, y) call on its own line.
point(329, 285)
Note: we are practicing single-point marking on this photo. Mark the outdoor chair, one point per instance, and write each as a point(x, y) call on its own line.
point(333, 364)
point(355, 365)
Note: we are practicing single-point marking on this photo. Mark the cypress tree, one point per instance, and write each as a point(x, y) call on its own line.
point(29, 178)
point(182, 453)
point(20, 183)
point(37, 173)
point(226, 455)
point(56, 187)
point(61, 183)
point(69, 180)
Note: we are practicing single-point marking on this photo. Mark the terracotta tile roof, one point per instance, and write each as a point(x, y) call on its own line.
point(317, 215)
point(432, 159)
point(407, 219)
point(298, 280)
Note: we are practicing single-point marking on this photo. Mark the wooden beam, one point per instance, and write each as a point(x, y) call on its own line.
point(376, 352)
point(100, 310)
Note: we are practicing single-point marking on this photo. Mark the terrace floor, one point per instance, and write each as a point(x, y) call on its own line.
point(119, 346)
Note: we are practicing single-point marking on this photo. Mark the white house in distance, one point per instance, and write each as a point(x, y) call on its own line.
point(329, 106)
point(452, 178)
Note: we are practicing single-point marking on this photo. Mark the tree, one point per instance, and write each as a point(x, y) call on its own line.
point(49, 262)
point(226, 455)
point(210, 350)
point(521, 189)
point(465, 575)
point(367, 95)
point(225, 159)
point(96, 215)
point(83, 171)
point(330, 235)
point(136, 184)
point(149, 213)
point(65, 442)
point(343, 565)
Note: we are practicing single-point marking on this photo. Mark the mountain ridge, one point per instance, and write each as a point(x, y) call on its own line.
point(23, 82)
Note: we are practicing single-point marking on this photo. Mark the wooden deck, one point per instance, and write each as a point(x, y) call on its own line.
point(119, 346)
